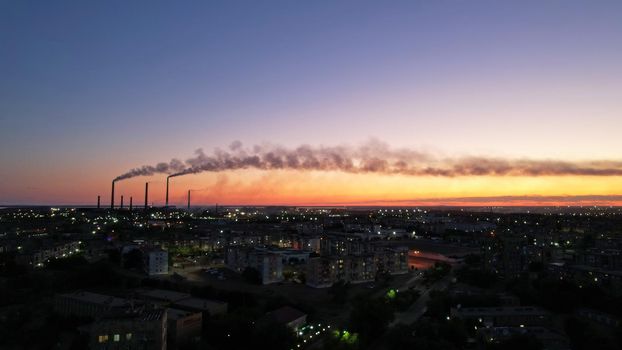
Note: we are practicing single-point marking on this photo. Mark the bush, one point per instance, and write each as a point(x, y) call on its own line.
point(402, 300)
point(476, 277)
point(437, 272)
point(251, 275)
point(370, 318)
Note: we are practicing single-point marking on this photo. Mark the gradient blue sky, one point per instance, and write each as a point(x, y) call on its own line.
point(89, 89)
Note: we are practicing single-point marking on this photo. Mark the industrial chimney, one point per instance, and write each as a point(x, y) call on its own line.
point(188, 199)
point(121, 202)
point(167, 180)
point(146, 195)
point(112, 196)
point(98, 201)
point(130, 203)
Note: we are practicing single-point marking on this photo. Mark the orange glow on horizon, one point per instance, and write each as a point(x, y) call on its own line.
point(314, 188)
point(252, 187)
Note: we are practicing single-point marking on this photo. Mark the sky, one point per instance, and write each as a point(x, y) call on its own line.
point(90, 90)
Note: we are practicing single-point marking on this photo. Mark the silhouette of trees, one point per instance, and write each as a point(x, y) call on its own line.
point(370, 318)
point(251, 275)
point(339, 291)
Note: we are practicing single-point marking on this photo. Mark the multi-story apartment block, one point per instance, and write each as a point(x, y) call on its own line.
point(155, 261)
point(268, 263)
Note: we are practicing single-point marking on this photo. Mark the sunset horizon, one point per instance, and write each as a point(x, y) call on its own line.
point(482, 100)
point(311, 175)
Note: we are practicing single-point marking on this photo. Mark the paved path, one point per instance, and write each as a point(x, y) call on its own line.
point(418, 308)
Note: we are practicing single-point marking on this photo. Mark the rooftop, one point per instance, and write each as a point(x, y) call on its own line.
point(285, 314)
point(162, 294)
point(175, 314)
point(501, 310)
point(95, 298)
point(200, 304)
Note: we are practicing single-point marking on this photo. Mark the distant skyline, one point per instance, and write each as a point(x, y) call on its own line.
point(92, 90)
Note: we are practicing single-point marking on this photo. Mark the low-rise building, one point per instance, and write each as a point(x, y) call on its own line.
point(131, 329)
point(293, 256)
point(505, 316)
point(87, 304)
point(183, 326)
point(324, 271)
point(211, 307)
point(161, 295)
point(38, 252)
point(598, 317)
point(607, 259)
point(184, 301)
point(610, 280)
point(549, 339)
point(356, 268)
point(287, 316)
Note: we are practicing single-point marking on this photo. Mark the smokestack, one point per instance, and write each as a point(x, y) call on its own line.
point(98, 201)
point(188, 199)
point(112, 196)
point(167, 178)
point(130, 203)
point(121, 202)
point(146, 195)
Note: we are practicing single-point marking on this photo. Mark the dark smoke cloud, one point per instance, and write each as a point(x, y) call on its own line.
point(372, 157)
point(173, 166)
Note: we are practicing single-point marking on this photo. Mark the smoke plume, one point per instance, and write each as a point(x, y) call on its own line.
point(372, 157)
point(173, 166)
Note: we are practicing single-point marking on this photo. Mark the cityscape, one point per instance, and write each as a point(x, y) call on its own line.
point(435, 175)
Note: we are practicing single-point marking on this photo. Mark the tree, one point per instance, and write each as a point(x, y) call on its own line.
point(585, 336)
point(383, 278)
point(536, 266)
point(472, 260)
point(518, 342)
point(133, 259)
point(9, 267)
point(339, 291)
point(252, 275)
point(437, 272)
point(438, 305)
point(114, 256)
point(271, 335)
point(428, 335)
point(402, 300)
point(370, 318)
point(341, 340)
point(476, 277)
point(587, 241)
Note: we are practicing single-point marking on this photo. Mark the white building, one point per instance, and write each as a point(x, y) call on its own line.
point(269, 264)
point(155, 262)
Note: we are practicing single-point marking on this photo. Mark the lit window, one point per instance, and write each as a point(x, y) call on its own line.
point(128, 336)
point(116, 337)
point(103, 338)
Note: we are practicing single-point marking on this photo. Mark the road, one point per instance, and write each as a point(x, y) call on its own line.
point(418, 308)
point(417, 276)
